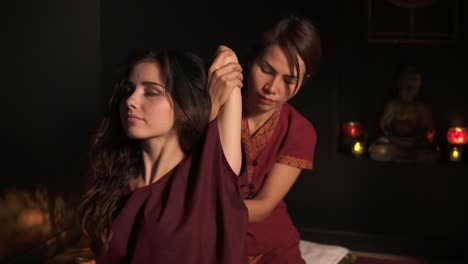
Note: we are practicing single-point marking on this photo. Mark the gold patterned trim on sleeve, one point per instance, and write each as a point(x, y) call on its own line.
point(295, 162)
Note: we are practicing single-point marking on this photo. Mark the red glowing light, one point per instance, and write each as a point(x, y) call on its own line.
point(457, 135)
point(352, 129)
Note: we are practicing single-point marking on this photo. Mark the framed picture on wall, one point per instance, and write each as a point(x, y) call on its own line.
point(413, 21)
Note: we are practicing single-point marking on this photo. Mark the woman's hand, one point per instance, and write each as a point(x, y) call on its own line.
point(224, 75)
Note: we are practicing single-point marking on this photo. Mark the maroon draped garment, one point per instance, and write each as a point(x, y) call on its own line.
point(287, 138)
point(194, 214)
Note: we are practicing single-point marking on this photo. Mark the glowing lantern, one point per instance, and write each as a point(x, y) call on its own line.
point(352, 129)
point(457, 135)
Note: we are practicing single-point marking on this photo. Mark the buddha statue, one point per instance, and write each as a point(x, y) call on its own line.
point(406, 124)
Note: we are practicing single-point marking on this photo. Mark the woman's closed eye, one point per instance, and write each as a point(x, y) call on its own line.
point(290, 80)
point(152, 92)
point(152, 89)
point(266, 69)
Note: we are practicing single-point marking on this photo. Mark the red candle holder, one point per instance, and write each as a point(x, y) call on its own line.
point(353, 138)
point(352, 129)
point(457, 135)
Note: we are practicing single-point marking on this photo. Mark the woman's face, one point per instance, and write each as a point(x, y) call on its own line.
point(147, 112)
point(271, 82)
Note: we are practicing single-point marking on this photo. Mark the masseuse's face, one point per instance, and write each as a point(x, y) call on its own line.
point(271, 82)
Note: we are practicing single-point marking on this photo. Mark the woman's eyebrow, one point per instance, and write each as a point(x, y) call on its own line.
point(149, 83)
point(273, 69)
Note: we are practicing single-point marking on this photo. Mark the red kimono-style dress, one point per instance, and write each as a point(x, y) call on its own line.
point(194, 214)
point(287, 138)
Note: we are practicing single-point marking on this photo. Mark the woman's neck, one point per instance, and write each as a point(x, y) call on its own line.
point(160, 155)
point(256, 119)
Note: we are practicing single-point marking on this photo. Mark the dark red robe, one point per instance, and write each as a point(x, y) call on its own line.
point(287, 138)
point(194, 214)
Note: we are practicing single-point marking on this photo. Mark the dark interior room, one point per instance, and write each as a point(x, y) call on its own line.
point(61, 58)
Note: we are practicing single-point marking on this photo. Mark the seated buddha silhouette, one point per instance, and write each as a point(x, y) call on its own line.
point(406, 124)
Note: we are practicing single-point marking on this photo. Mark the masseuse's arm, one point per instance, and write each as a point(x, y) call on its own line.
point(277, 184)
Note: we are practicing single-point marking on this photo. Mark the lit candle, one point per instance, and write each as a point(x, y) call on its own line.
point(454, 154)
point(358, 148)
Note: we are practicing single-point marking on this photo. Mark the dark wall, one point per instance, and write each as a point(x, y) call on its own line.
point(50, 91)
point(192, 26)
point(422, 206)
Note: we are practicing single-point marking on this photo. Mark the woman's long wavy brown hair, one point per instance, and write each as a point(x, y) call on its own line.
point(115, 158)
